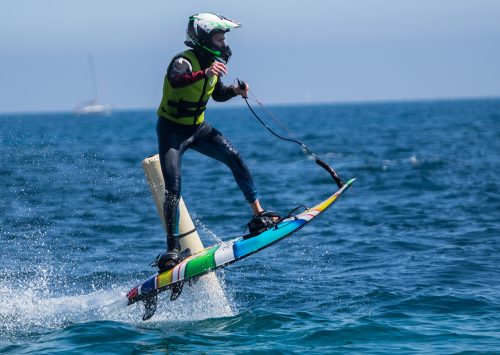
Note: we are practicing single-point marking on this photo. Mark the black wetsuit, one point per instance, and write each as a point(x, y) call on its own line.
point(174, 139)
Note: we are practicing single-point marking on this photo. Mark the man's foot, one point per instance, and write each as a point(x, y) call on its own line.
point(167, 260)
point(263, 221)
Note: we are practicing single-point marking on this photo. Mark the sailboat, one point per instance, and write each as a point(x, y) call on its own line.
point(92, 106)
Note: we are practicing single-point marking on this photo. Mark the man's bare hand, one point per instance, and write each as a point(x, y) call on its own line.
point(240, 91)
point(217, 68)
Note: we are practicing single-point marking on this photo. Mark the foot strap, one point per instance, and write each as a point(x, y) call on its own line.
point(262, 222)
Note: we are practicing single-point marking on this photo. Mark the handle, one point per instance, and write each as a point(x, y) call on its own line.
point(242, 85)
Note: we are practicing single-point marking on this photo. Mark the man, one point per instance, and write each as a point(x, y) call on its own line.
point(193, 76)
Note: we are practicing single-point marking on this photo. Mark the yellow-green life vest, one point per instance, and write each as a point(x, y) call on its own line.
point(186, 105)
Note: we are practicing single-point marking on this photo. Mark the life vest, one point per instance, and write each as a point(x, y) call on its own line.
point(186, 105)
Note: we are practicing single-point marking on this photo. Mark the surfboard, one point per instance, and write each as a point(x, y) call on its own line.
point(223, 254)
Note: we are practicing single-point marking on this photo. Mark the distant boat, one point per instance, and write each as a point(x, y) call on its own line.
point(93, 107)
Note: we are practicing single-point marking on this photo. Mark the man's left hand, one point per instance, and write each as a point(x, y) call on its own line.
point(240, 91)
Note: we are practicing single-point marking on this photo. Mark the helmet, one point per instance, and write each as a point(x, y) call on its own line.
point(202, 27)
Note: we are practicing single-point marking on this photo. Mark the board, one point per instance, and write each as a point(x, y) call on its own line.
point(223, 254)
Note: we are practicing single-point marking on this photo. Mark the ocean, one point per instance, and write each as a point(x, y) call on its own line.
point(407, 261)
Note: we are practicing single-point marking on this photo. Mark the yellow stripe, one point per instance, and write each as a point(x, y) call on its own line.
point(320, 207)
point(165, 279)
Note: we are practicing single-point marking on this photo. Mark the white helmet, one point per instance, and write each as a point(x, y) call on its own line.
point(201, 28)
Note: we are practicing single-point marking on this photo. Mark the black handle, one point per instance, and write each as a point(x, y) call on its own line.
point(332, 172)
point(242, 85)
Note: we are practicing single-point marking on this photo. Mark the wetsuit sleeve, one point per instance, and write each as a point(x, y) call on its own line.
point(180, 73)
point(222, 92)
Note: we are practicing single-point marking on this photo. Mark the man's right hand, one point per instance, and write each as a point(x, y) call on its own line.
point(217, 68)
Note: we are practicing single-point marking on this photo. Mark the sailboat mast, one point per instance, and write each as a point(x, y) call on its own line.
point(93, 106)
point(93, 79)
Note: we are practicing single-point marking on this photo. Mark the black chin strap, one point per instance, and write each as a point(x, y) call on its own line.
point(320, 162)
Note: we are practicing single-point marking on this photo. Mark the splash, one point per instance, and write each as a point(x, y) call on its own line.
point(29, 306)
point(206, 230)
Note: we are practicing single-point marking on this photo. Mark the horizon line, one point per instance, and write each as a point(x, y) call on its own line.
point(301, 103)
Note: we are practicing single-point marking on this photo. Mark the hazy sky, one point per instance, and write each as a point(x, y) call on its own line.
point(289, 51)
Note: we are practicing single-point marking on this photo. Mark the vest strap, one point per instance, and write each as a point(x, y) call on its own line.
point(182, 104)
point(183, 113)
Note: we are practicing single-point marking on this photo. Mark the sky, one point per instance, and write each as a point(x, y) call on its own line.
point(289, 51)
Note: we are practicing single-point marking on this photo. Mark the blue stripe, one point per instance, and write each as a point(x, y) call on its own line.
point(148, 285)
point(248, 246)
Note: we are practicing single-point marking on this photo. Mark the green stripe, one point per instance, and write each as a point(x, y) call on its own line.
point(201, 264)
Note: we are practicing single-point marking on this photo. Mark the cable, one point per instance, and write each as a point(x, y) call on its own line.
point(320, 162)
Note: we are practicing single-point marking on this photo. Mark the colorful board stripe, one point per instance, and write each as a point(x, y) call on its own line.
point(226, 253)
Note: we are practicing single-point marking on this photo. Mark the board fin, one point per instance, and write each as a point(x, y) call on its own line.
point(149, 306)
point(150, 302)
point(176, 290)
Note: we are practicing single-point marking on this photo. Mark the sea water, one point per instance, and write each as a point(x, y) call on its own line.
point(407, 261)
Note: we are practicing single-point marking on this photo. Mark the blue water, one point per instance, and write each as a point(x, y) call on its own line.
point(406, 262)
